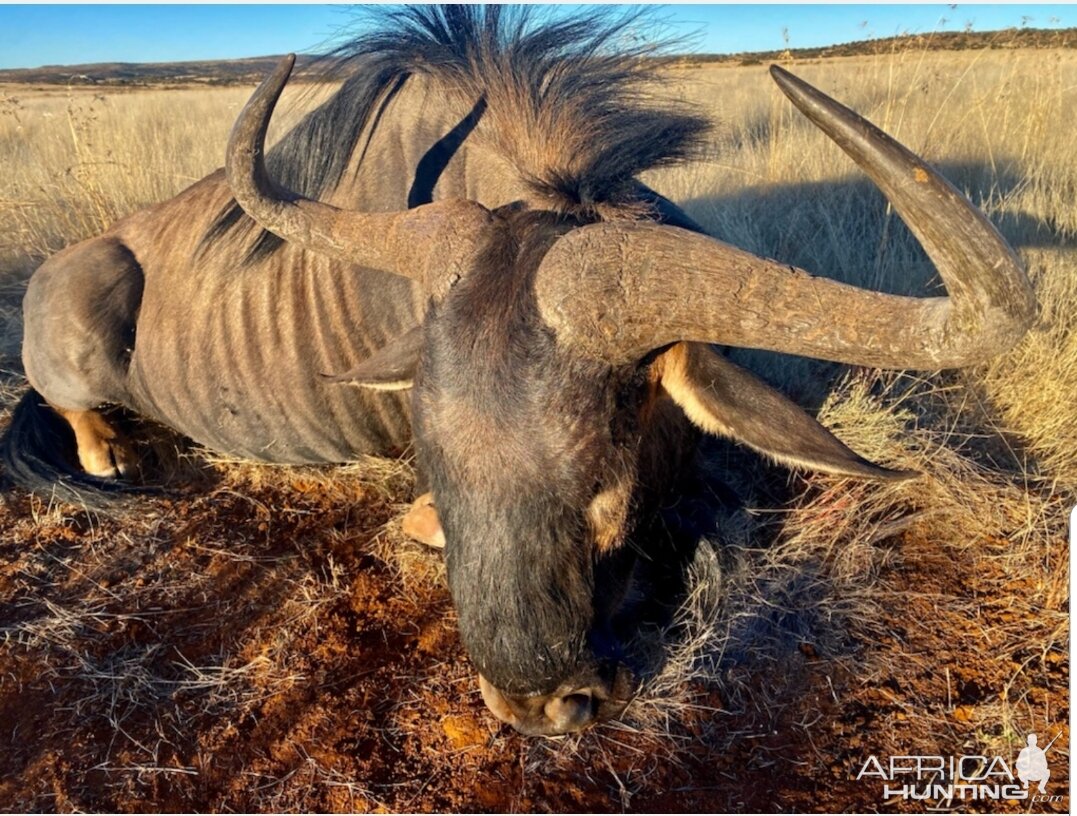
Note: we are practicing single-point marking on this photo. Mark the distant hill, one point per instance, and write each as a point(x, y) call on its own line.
point(251, 70)
point(201, 72)
point(1008, 38)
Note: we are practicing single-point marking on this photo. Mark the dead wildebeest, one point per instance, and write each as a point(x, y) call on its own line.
point(463, 219)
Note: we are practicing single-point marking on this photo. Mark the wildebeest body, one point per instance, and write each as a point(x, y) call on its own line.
point(235, 360)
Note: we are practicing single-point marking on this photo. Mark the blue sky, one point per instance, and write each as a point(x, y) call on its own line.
point(41, 34)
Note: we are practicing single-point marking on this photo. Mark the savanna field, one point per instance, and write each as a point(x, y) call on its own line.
point(265, 638)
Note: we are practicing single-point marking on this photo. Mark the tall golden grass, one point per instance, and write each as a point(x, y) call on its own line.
point(77, 158)
point(997, 444)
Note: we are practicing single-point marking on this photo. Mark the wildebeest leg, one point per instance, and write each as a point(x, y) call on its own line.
point(422, 524)
point(103, 451)
point(80, 311)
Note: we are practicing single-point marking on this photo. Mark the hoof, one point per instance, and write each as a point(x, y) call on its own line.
point(103, 451)
point(421, 522)
point(111, 459)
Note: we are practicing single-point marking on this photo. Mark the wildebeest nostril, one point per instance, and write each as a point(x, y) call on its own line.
point(570, 712)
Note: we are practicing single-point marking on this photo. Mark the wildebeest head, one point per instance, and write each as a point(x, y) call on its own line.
point(552, 349)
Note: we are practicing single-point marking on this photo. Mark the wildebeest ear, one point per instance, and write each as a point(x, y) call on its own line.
point(391, 368)
point(724, 399)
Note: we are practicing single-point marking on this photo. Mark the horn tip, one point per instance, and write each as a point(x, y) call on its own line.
point(285, 66)
point(785, 80)
point(888, 475)
point(778, 72)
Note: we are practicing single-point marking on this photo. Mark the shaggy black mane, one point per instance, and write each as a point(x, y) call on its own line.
point(573, 101)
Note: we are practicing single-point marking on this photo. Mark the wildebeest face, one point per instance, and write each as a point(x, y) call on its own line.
point(532, 456)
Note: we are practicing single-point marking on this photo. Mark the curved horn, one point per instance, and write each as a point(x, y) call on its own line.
point(617, 291)
point(423, 244)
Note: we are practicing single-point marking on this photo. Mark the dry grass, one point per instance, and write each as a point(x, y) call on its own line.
point(76, 160)
point(997, 444)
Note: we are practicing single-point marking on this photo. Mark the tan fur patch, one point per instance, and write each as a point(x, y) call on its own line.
point(422, 523)
point(654, 389)
point(102, 450)
point(676, 382)
point(607, 516)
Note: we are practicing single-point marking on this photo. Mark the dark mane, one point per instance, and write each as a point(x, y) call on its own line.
point(573, 101)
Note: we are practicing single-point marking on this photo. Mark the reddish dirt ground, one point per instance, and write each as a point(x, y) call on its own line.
point(256, 649)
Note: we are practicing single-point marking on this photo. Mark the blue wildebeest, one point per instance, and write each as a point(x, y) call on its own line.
point(460, 233)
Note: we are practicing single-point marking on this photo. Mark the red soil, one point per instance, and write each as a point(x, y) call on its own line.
point(345, 687)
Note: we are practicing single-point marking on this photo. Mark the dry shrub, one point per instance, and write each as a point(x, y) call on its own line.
point(1032, 388)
